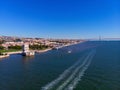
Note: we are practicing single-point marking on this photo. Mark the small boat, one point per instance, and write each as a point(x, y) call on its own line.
point(69, 51)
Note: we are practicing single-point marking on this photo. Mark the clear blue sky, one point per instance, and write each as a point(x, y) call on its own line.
point(60, 18)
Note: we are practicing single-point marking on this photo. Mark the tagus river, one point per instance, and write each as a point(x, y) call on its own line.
point(93, 65)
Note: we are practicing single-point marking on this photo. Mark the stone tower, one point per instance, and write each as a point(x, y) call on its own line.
point(25, 48)
point(26, 51)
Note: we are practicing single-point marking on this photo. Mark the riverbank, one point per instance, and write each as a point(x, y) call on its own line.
point(9, 53)
point(58, 47)
point(37, 51)
point(4, 56)
point(41, 51)
point(19, 52)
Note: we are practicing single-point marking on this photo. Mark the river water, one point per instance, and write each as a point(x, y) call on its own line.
point(93, 65)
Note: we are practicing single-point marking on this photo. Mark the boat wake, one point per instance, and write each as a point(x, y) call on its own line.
point(71, 76)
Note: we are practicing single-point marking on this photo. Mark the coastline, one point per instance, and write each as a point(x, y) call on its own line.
point(41, 51)
point(19, 52)
point(71, 44)
point(10, 53)
point(37, 51)
point(4, 56)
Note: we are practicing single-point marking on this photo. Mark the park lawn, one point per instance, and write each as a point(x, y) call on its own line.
point(10, 50)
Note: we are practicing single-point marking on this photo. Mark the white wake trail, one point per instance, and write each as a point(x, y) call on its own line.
point(61, 77)
point(72, 76)
point(76, 80)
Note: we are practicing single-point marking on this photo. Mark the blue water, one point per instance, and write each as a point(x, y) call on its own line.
point(33, 73)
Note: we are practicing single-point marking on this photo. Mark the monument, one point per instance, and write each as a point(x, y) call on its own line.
point(26, 51)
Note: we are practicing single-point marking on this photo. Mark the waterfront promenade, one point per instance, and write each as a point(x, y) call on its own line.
point(36, 51)
point(20, 52)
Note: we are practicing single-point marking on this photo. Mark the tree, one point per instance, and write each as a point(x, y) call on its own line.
point(1, 48)
point(15, 47)
point(38, 47)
